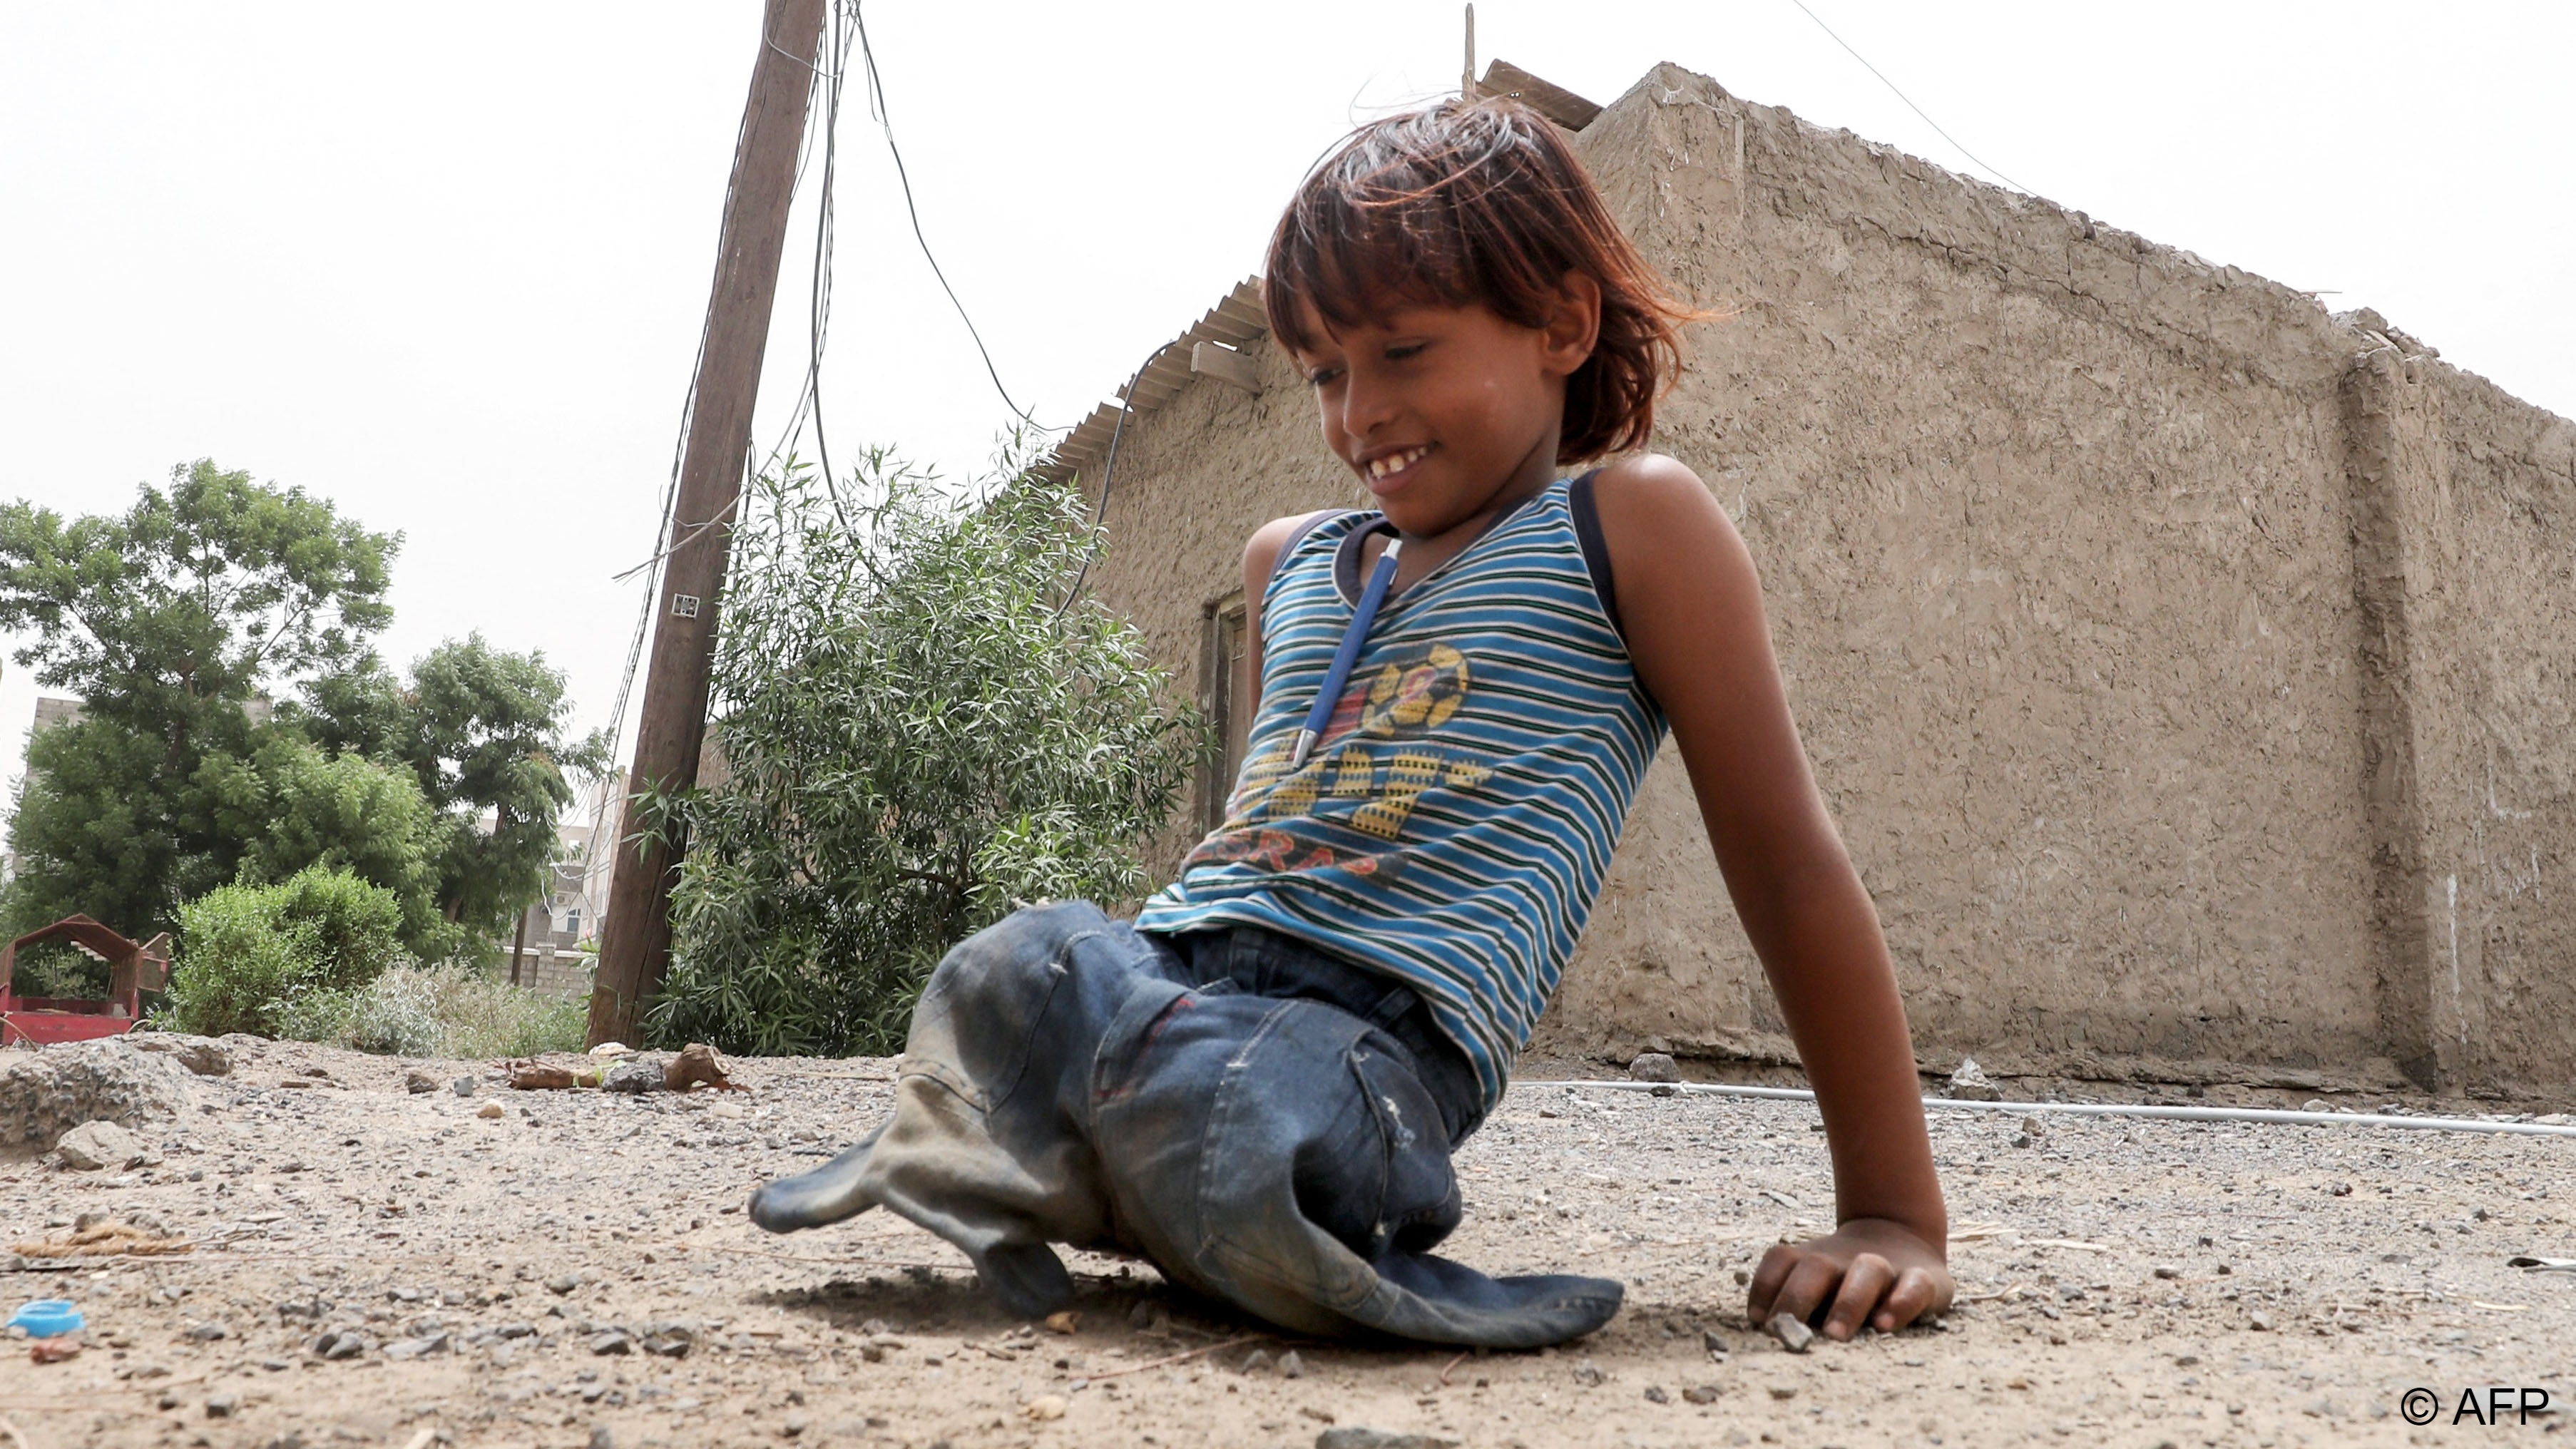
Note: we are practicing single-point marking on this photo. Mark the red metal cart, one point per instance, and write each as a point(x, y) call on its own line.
point(131, 970)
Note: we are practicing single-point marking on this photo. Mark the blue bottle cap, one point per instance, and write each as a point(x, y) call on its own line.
point(47, 1318)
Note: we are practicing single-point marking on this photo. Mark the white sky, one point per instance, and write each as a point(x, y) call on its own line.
point(445, 265)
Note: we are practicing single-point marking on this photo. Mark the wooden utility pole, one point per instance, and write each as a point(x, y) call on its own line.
point(635, 935)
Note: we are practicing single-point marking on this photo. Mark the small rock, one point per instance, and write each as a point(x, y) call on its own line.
point(564, 1284)
point(94, 1145)
point(1257, 1361)
point(1793, 1335)
point(2168, 1271)
point(1655, 1067)
point(2022, 1141)
point(207, 1332)
point(1045, 1407)
point(633, 1078)
point(670, 1340)
point(491, 1109)
point(792, 1426)
point(1700, 1394)
point(1969, 1083)
point(2259, 1321)
point(410, 1348)
point(1784, 1391)
point(601, 1438)
point(1352, 1436)
point(221, 1406)
point(1714, 1345)
point(343, 1344)
point(1588, 1374)
point(418, 1082)
point(1655, 1395)
point(462, 1086)
point(2315, 1104)
point(1291, 1366)
point(611, 1341)
point(1064, 1322)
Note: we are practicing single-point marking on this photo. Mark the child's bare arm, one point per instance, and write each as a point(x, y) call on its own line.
point(1691, 607)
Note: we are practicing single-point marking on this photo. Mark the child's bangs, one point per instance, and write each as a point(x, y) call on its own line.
point(1476, 203)
point(1364, 258)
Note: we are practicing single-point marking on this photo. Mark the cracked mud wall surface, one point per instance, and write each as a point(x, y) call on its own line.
point(2057, 529)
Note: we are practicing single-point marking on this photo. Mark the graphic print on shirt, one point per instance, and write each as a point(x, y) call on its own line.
point(1378, 762)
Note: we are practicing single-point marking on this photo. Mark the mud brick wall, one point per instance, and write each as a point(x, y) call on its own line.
point(2188, 669)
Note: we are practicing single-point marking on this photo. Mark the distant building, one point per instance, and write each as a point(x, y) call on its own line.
point(553, 929)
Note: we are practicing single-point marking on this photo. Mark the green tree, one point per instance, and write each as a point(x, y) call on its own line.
point(168, 621)
point(917, 736)
point(250, 955)
point(291, 807)
point(482, 730)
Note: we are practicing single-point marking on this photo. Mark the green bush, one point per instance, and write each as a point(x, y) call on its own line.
point(57, 969)
point(918, 734)
point(265, 959)
point(448, 1010)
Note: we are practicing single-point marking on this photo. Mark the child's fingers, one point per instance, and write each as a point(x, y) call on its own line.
point(1916, 1293)
point(1809, 1287)
point(1864, 1283)
point(1767, 1278)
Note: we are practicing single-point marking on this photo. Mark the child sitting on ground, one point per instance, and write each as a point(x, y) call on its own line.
point(1258, 1084)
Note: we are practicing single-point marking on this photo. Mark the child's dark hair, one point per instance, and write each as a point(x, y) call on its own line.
point(1470, 202)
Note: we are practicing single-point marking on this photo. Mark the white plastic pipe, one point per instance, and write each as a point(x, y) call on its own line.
point(2103, 1109)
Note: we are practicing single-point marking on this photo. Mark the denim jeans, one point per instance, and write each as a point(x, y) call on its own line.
point(1267, 1124)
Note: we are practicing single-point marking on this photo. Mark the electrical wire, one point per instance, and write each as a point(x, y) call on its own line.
point(828, 84)
point(1909, 100)
point(885, 122)
point(2267, 1115)
point(1108, 472)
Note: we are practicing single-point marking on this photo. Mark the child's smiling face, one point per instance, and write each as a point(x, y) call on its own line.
point(1444, 412)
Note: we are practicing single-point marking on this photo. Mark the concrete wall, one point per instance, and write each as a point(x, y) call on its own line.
point(2181, 663)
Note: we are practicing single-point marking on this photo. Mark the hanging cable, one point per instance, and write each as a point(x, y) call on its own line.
point(1909, 101)
point(827, 83)
point(1109, 471)
point(885, 122)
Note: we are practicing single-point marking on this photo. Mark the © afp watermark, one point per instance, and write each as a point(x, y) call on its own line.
point(2490, 1405)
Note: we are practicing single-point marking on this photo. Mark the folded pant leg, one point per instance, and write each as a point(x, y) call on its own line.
point(1284, 1156)
point(988, 1145)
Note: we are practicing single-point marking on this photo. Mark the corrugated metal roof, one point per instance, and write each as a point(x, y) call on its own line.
point(1236, 321)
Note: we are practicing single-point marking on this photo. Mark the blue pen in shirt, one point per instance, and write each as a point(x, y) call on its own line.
point(1335, 678)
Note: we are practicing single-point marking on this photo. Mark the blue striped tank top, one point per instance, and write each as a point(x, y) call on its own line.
point(1453, 826)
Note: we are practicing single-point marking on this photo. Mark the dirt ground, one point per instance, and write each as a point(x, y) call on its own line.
point(522, 1280)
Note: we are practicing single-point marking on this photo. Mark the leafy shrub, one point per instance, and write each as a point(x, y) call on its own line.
point(56, 968)
point(452, 1009)
point(296, 807)
point(917, 734)
point(258, 958)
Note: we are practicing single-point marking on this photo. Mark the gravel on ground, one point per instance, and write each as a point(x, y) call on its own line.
point(373, 1265)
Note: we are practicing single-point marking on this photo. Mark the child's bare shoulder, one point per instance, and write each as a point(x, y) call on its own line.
point(1261, 551)
point(1655, 510)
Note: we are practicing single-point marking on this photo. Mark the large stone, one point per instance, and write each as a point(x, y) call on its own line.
point(1655, 1067)
point(634, 1077)
point(1969, 1083)
point(93, 1145)
point(45, 1094)
point(203, 1055)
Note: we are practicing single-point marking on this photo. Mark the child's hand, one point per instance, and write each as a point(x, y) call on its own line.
point(1872, 1270)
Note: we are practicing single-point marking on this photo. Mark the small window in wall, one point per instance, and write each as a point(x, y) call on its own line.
point(1231, 699)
